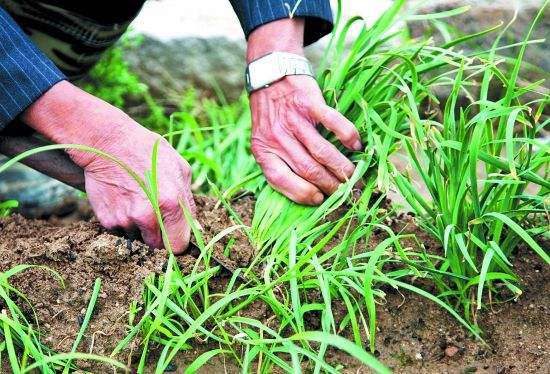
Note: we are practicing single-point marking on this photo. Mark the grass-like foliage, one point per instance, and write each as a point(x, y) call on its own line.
point(215, 139)
point(6, 207)
point(481, 164)
point(476, 207)
point(485, 169)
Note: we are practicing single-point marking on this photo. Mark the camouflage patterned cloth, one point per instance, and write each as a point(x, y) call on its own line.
point(72, 33)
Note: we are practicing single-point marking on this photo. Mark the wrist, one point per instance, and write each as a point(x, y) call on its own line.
point(65, 114)
point(284, 35)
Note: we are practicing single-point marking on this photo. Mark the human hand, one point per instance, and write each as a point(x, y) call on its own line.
point(296, 160)
point(66, 114)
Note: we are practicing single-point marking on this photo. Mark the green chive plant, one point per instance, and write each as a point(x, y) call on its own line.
point(486, 170)
point(379, 83)
point(180, 310)
point(479, 164)
point(370, 82)
point(6, 207)
point(215, 140)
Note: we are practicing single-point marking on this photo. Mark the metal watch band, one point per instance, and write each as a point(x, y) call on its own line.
point(273, 67)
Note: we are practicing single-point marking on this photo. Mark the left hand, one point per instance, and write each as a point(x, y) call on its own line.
point(297, 161)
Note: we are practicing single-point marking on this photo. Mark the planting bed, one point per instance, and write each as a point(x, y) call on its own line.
point(415, 335)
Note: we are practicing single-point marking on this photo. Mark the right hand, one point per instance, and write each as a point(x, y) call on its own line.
point(66, 114)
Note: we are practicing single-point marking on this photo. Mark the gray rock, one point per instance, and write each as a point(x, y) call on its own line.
point(37, 194)
point(487, 13)
point(169, 68)
point(205, 64)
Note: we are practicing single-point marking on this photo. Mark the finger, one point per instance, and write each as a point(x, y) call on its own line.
point(146, 221)
point(123, 221)
point(325, 152)
point(102, 210)
point(106, 221)
point(284, 180)
point(127, 228)
point(344, 130)
point(178, 231)
point(303, 164)
point(151, 236)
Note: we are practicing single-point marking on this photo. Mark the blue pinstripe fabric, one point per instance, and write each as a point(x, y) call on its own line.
point(254, 13)
point(25, 73)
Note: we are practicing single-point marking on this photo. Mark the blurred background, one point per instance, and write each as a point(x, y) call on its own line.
point(197, 43)
point(174, 19)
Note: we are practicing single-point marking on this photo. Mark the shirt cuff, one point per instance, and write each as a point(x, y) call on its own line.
point(25, 72)
point(255, 13)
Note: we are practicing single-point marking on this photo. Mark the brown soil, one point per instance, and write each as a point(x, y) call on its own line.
point(414, 334)
point(80, 253)
point(417, 336)
point(214, 218)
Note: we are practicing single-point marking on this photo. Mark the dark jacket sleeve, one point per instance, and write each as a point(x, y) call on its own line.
point(25, 72)
point(317, 13)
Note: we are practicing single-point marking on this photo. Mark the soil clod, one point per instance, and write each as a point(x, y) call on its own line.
point(451, 350)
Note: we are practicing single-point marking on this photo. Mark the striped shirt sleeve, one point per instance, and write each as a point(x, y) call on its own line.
point(317, 13)
point(25, 72)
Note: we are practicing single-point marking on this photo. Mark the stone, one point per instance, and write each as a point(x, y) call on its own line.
point(169, 68)
point(38, 195)
point(451, 351)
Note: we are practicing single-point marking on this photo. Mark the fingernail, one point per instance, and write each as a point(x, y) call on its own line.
point(318, 198)
point(357, 145)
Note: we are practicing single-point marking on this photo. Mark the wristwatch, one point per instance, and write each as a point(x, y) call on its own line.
point(268, 69)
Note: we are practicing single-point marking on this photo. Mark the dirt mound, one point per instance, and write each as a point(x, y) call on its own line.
point(416, 336)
